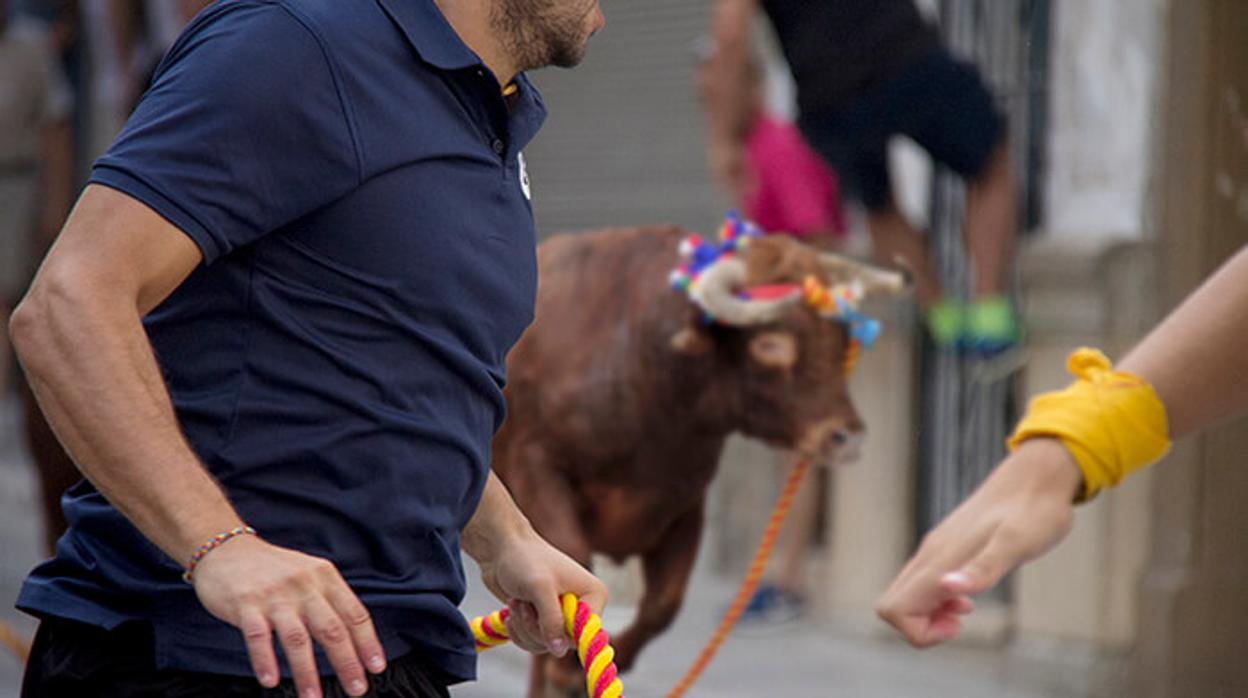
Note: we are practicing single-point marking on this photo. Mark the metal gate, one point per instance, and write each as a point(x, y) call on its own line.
point(968, 404)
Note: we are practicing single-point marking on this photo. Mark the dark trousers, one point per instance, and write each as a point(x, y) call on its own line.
point(77, 660)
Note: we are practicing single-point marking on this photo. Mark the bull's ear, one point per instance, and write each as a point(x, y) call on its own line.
point(690, 342)
point(776, 350)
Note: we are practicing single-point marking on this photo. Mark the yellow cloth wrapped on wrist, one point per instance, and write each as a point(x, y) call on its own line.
point(1112, 422)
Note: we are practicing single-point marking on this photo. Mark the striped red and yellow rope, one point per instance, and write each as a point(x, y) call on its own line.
point(490, 631)
point(593, 645)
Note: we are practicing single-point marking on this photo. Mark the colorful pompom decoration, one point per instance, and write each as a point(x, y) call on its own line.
point(697, 254)
point(839, 302)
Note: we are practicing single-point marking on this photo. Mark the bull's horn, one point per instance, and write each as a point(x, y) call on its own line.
point(716, 293)
point(874, 279)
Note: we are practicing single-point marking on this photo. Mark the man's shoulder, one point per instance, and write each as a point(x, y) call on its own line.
point(338, 24)
point(331, 22)
point(259, 40)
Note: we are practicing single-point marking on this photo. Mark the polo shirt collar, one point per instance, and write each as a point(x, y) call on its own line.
point(430, 34)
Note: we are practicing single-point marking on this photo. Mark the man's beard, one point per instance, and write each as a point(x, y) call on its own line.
point(537, 35)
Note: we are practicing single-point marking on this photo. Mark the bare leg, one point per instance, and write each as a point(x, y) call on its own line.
point(793, 547)
point(991, 222)
point(893, 239)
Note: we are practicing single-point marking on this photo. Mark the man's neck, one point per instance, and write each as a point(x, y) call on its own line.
point(471, 21)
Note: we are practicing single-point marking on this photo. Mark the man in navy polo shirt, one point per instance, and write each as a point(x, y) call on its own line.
point(283, 304)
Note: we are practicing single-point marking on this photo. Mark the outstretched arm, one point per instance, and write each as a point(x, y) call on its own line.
point(1195, 357)
point(1194, 361)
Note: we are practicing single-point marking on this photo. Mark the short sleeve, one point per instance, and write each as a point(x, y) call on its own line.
point(242, 132)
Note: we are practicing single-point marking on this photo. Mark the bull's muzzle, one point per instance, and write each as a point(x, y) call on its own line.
point(833, 442)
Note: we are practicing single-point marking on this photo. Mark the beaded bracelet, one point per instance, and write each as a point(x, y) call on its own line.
point(216, 542)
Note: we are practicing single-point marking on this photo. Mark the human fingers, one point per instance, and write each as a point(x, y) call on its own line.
point(523, 627)
point(941, 628)
point(1004, 551)
point(589, 589)
point(258, 635)
point(958, 605)
point(297, 644)
point(550, 618)
point(925, 629)
point(359, 624)
point(330, 632)
point(1010, 545)
point(920, 608)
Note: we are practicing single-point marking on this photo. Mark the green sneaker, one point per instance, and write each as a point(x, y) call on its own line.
point(945, 322)
point(991, 326)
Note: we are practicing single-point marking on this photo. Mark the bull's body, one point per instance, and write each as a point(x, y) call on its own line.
point(620, 400)
point(606, 447)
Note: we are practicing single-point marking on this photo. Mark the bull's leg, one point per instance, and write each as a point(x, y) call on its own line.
point(667, 568)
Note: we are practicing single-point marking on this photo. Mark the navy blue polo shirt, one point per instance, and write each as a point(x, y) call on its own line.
point(352, 174)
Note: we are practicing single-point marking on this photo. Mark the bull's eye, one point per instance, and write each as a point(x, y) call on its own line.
point(774, 350)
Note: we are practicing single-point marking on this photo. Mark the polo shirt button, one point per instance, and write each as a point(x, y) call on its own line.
point(499, 147)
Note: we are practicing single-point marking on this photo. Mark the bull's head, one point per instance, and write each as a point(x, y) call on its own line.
point(768, 319)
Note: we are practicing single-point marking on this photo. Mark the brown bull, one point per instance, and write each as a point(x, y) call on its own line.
point(621, 397)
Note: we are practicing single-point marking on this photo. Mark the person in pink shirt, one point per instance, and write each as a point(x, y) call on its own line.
point(786, 187)
point(792, 190)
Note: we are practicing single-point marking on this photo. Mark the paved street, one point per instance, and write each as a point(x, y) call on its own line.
point(799, 659)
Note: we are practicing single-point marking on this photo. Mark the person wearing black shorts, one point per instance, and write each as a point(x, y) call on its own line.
point(866, 71)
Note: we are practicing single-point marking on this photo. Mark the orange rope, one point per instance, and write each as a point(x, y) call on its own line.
point(14, 642)
point(749, 584)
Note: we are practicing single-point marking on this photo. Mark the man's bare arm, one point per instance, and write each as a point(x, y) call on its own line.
point(728, 92)
point(79, 335)
point(81, 341)
point(725, 84)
